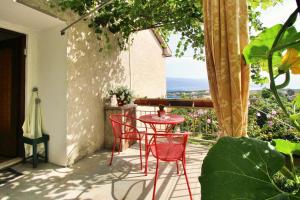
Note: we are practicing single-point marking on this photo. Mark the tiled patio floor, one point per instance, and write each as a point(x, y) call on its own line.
point(91, 178)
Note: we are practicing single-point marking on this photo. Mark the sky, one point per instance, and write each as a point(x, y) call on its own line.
point(187, 67)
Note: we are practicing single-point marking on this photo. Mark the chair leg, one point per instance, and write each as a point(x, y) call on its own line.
point(146, 161)
point(34, 156)
point(146, 155)
point(155, 180)
point(120, 146)
point(187, 181)
point(112, 153)
point(46, 151)
point(177, 167)
point(184, 162)
point(141, 161)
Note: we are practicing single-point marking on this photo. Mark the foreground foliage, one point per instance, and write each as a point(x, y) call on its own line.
point(246, 168)
point(276, 50)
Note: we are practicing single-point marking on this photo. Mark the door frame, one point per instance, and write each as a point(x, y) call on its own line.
point(18, 44)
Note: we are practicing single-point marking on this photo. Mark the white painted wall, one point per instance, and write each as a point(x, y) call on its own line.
point(146, 66)
point(46, 69)
point(51, 74)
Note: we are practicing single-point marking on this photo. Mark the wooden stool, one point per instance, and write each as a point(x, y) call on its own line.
point(34, 142)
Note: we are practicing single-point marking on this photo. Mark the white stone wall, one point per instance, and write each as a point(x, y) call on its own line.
point(90, 74)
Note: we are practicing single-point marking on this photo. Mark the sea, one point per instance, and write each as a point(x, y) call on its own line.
point(184, 84)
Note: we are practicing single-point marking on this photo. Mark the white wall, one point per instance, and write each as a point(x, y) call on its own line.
point(90, 74)
point(147, 66)
point(51, 74)
point(46, 69)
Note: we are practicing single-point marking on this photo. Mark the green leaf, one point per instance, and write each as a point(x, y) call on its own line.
point(241, 168)
point(295, 116)
point(168, 16)
point(257, 50)
point(287, 147)
point(291, 35)
point(296, 101)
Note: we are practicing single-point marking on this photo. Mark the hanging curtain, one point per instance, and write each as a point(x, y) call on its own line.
point(226, 34)
point(32, 127)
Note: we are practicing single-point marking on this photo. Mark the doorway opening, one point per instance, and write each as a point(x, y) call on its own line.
point(12, 93)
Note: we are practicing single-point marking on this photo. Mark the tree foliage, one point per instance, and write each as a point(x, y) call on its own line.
point(124, 17)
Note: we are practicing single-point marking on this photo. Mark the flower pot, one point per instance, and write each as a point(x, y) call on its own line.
point(121, 103)
point(161, 113)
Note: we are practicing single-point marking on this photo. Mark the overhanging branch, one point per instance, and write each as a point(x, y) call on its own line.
point(62, 32)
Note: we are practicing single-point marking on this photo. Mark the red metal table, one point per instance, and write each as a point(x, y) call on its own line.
point(169, 120)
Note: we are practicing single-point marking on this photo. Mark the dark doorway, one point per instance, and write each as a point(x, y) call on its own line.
point(12, 93)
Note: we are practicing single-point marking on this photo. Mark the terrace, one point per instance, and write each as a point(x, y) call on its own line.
point(93, 178)
point(227, 164)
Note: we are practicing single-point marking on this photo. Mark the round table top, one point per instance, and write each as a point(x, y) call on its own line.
point(167, 119)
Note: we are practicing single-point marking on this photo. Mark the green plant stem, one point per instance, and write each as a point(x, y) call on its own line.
point(293, 168)
point(287, 173)
point(270, 65)
point(286, 81)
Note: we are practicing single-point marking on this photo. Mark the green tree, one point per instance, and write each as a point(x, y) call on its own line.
point(124, 17)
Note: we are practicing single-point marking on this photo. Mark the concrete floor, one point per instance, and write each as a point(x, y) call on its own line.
point(91, 178)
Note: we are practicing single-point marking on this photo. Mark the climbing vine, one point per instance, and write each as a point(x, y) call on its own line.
point(124, 17)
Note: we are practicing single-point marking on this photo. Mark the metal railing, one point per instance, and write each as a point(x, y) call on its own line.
point(200, 118)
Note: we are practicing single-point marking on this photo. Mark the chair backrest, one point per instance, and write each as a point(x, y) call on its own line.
point(122, 125)
point(169, 146)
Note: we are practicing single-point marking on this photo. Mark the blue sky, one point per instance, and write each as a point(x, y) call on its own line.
point(187, 67)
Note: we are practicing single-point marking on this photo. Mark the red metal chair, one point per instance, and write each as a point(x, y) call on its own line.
point(169, 147)
point(124, 130)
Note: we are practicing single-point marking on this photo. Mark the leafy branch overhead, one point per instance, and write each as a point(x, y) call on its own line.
point(167, 16)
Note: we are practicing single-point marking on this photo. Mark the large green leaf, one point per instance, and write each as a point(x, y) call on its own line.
point(241, 169)
point(287, 147)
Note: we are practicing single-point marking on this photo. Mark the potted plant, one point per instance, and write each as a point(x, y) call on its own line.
point(123, 95)
point(161, 112)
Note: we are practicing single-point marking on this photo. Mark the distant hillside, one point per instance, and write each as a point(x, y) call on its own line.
point(183, 84)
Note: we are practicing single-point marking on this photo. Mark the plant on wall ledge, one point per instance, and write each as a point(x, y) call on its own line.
point(244, 168)
point(123, 95)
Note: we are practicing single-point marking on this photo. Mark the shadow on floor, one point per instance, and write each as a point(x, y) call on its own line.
point(91, 178)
